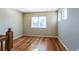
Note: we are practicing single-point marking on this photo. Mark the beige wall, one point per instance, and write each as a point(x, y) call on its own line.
point(10, 18)
point(13, 19)
point(51, 29)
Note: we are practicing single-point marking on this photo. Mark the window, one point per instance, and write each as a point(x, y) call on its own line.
point(64, 14)
point(59, 16)
point(39, 22)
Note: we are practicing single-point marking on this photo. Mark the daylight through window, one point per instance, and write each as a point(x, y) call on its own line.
point(39, 22)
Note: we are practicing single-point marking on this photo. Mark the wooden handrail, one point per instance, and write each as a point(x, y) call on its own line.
point(8, 38)
point(3, 37)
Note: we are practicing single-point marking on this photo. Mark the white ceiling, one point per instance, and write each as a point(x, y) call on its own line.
point(36, 9)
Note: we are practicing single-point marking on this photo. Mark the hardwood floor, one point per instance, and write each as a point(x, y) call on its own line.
point(37, 44)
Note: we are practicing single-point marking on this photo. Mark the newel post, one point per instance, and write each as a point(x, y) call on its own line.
point(9, 42)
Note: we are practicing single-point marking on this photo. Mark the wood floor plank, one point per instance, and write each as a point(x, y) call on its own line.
point(37, 44)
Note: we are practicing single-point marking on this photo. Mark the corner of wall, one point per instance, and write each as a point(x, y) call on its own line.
point(63, 44)
point(17, 36)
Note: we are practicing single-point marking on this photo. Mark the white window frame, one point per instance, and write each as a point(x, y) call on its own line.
point(64, 14)
point(39, 26)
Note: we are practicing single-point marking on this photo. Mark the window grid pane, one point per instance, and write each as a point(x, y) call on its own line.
point(39, 22)
point(35, 21)
point(42, 22)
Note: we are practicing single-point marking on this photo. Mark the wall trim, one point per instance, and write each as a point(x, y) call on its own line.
point(63, 44)
point(41, 36)
point(18, 36)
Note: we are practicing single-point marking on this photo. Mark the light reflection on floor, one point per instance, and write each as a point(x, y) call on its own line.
point(35, 49)
point(40, 47)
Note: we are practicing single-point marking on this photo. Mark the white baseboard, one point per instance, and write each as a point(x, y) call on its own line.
point(17, 36)
point(41, 36)
point(63, 44)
